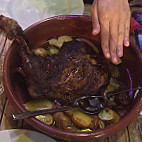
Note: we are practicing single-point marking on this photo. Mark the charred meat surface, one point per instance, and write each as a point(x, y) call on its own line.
point(74, 72)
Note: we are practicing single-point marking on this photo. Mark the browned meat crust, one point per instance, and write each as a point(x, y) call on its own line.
point(74, 72)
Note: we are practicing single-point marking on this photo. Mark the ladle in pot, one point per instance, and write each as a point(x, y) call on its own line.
point(93, 106)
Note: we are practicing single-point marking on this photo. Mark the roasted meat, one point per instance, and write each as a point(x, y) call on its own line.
point(74, 72)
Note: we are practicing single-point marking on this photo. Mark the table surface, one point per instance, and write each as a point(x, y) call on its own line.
point(133, 133)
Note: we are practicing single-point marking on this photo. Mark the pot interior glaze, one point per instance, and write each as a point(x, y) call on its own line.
point(77, 26)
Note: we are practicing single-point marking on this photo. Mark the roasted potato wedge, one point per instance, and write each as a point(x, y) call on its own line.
point(38, 104)
point(47, 118)
point(53, 50)
point(108, 115)
point(41, 51)
point(81, 119)
point(62, 121)
point(59, 42)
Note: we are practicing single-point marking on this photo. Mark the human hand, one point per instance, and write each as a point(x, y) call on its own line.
point(111, 18)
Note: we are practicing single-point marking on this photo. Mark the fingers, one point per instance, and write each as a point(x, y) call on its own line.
point(105, 39)
point(126, 32)
point(95, 21)
point(120, 38)
point(127, 23)
point(113, 40)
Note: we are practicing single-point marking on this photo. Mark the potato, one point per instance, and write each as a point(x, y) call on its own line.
point(108, 115)
point(114, 70)
point(47, 118)
point(64, 38)
point(119, 61)
point(59, 42)
point(94, 119)
point(101, 124)
point(41, 51)
point(71, 111)
point(113, 85)
point(53, 50)
point(81, 119)
point(62, 121)
point(38, 104)
point(53, 41)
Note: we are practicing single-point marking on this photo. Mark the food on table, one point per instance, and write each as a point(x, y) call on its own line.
point(83, 120)
point(76, 70)
point(47, 119)
point(71, 111)
point(108, 115)
point(75, 119)
point(101, 124)
point(53, 50)
point(62, 121)
point(41, 51)
point(64, 69)
point(113, 85)
point(119, 61)
point(80, 119)
point(59, 42)
point(39, 104)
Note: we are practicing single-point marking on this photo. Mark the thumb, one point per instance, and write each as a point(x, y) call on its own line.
point(95, 21)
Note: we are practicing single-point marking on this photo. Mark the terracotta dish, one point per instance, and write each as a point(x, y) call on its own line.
point(78, 26)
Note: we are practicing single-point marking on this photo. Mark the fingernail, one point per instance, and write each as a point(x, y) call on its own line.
point(126, 43)
point(107, 55)
point(96, 30)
